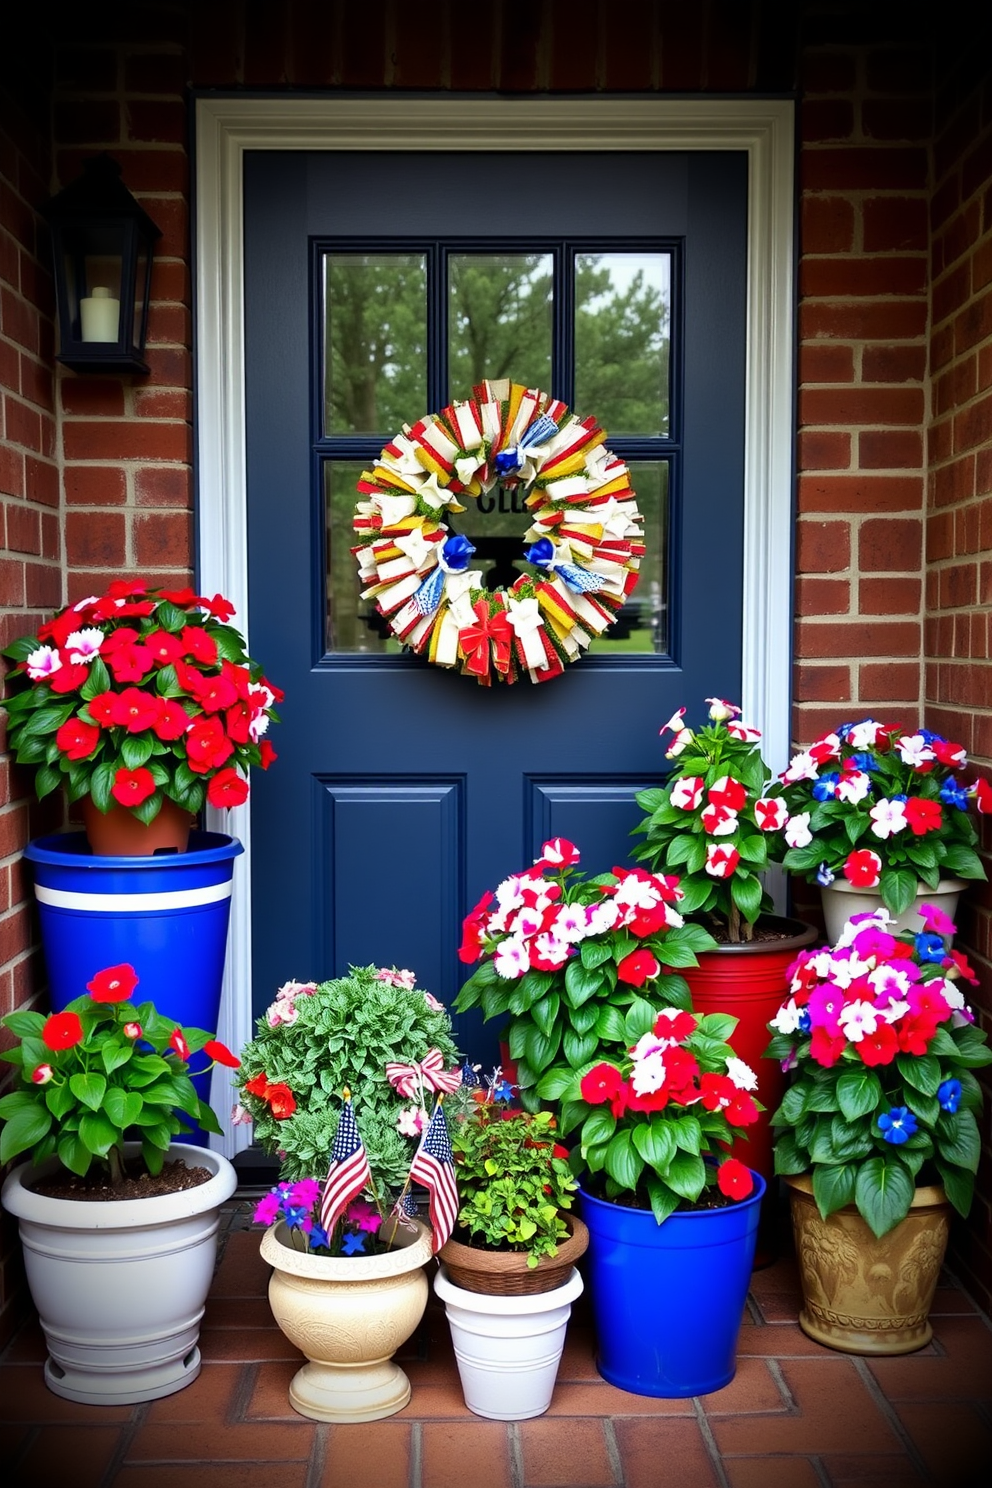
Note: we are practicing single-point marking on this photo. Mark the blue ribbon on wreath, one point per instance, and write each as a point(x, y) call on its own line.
point(510, 460)
point(542, 555)
point(453, 558)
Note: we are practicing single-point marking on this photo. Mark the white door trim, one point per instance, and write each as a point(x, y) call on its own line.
point(227, 127)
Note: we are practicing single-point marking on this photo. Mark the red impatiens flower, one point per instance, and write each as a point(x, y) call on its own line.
point(863, 869)
point(180, 597)
point(982, 793)
point(237, 721)
point(129, 663)
point(114, 984)
point(214, 694)
point(268, 754)
point(131, 787)
point(880, 1047)
point(227, 788)
point(282, 1102)
point(219, 1052)
point(826, 1048)
point(471, 946)
point(136, 710)
point(178, 1044)
point(165, 648)
point(220, 608)
point(103, 709)
point(922, 815)
point(173, 721)
point(70, 676)
point(955, 756)
point(207, 745)
point(734, 1179)
point(198, 644)
point(637, 968)
point(559, 853)
point(62, 1031)
point(603, 1082)
point(77, 739)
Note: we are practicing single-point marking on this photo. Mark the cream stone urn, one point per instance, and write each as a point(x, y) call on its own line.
point(348, 1315)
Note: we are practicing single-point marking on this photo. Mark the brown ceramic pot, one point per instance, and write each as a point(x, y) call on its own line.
point(505, 1273)
point(861, 1294)
point(119, 834)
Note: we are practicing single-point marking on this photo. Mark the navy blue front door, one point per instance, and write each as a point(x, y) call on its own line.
point(403, 791)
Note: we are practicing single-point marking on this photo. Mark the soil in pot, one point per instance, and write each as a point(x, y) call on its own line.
point(95, 1188)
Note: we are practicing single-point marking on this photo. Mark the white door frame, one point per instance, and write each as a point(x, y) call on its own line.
point(227, 127)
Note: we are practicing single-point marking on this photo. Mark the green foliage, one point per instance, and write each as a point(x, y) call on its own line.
point(85, 1086)
point(344, 1033)
point(680, 829)
point(513, 1181)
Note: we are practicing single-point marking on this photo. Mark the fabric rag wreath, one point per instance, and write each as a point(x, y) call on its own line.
point(585, 541)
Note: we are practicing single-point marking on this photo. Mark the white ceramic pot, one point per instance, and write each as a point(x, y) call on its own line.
point(348, 1315)
point(841, 901)
point(508, 1348)
point(120, 1286)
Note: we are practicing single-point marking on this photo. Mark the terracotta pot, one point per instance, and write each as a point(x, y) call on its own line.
point(348, 1315)
point(861, 1294)
point(119, 834)
point(841, 900)
point(505, 1273)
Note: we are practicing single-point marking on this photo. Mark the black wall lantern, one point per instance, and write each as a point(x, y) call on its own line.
point(102, 244)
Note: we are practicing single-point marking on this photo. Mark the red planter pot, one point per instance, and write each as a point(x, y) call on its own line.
point(749, 982)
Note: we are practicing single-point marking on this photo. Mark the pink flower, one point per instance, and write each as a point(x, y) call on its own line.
point(936, 920)
point(721, 710)
point(512, 959)
point(863, 869)
point(411, 1121)
point(770, 813)
point(721, 861)
point(433, 1004)
point(42, 663)
point(83, 645)
point(687, 792)
point(266, 1209)
point(394, 978)
point(559, 853)
point(239, 1116)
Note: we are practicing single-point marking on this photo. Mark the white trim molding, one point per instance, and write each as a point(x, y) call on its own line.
point(227, 127)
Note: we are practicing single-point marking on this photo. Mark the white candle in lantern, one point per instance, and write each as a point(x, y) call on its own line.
point(99, 315)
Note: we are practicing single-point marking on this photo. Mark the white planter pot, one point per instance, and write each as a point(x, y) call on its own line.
point(841, 901)
point(508, 1348)
point(120, 1286)
point(348, 1315)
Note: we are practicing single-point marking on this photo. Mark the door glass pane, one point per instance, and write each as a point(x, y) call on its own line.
point(622, 338)
point(642, 624)
point(353, 624)
point(375, 342)
point(499, 319)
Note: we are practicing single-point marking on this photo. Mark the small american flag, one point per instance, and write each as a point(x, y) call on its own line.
point(349, 1170)
point(434, 1166)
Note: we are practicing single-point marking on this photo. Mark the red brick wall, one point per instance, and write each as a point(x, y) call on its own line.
point(866, 447)
point(958, 639)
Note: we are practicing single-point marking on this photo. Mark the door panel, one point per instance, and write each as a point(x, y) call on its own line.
point(402, 791)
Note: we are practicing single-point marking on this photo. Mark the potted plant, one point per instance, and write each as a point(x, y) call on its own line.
point(346, 1071)
point(877, 1135)
point(673, 1219)
point(119, 1235)
point(508, 1275)
point(877, 812)
point(712, 822)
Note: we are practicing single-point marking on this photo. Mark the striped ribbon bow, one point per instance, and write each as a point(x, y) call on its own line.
point(411, 1080)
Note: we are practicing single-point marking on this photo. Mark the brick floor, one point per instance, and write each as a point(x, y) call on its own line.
point(795, 1416)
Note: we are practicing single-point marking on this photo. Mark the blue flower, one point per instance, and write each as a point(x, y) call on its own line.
point(843, 729)
point(319, 1238)
point(897, 1125)
point(953, 794)
point(353, 1244)
point(294, 1217)
point(503, 1091)
point(824, 877)
point(864, 761)
point(949, 1095)
point(930, 947)
point(928, 736)
point(805, 1021)
point(825, 788)
point(457, 551)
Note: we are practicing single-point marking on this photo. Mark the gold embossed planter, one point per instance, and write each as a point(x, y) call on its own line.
point(863, 1295)
point(349, 1316)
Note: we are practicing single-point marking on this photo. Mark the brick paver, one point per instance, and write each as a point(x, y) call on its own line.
point(796, 1415)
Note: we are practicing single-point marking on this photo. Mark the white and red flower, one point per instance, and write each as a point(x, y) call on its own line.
point(719, 821)
point(744, 733)
point(687, 792)
point(771, 813)
point(721, 860)
point(721, 711)
point(797, 832)
point(863, 869)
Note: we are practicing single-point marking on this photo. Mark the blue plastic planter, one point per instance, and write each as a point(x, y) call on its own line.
point(167, 915)
point(668, 1299)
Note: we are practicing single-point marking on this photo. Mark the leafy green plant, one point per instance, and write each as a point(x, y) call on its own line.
point(883, 1047)
point(137, 696)
point(709, 821)
point(513, 1178)
point(568, 964)
point(100, 1070)
point(315, 1041)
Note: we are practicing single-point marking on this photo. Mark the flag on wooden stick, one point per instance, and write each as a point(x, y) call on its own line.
point(349, 1170)
point(434, 1166)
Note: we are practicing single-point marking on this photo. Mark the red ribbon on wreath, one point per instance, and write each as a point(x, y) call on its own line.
point(475, 640)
